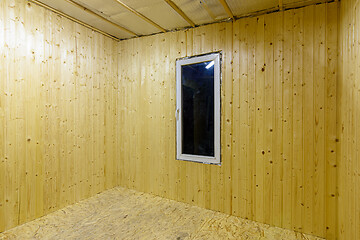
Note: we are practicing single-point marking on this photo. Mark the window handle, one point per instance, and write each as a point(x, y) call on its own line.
point(177, 114)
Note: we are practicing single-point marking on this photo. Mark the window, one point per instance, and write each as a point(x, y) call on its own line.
point(198, 108)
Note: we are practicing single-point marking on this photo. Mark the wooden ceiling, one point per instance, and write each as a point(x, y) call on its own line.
point(122, 19)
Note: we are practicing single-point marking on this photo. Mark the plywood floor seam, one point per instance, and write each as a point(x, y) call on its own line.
point(121, 213)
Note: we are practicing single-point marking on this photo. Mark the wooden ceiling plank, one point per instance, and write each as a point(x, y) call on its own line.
point(72, 19)
point(180, 12)
point(101, 17)
point(141, 16)
point(208, 10)
point(227, 9)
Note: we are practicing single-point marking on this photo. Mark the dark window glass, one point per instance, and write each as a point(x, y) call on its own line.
point(197, 82)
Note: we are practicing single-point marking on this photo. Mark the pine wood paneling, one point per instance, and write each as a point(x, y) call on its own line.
point(348, 121)
point(57, 112)
point(278, 118)
point(81, 113)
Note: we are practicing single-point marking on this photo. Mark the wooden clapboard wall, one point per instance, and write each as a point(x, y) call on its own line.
point(348, 121)
point(57, 112)
point(278, 118)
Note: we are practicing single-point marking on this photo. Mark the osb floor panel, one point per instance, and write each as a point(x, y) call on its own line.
point(121, 213)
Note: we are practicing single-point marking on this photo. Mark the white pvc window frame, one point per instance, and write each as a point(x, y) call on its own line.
point(216, 57)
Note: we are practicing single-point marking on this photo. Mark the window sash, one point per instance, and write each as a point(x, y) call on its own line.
point(217, 111)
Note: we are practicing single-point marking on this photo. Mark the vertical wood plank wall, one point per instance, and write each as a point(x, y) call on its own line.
point(57, 112)
point(348, 121)
point(278, 118)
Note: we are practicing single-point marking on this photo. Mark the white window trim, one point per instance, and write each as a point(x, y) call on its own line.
point(217, 111)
